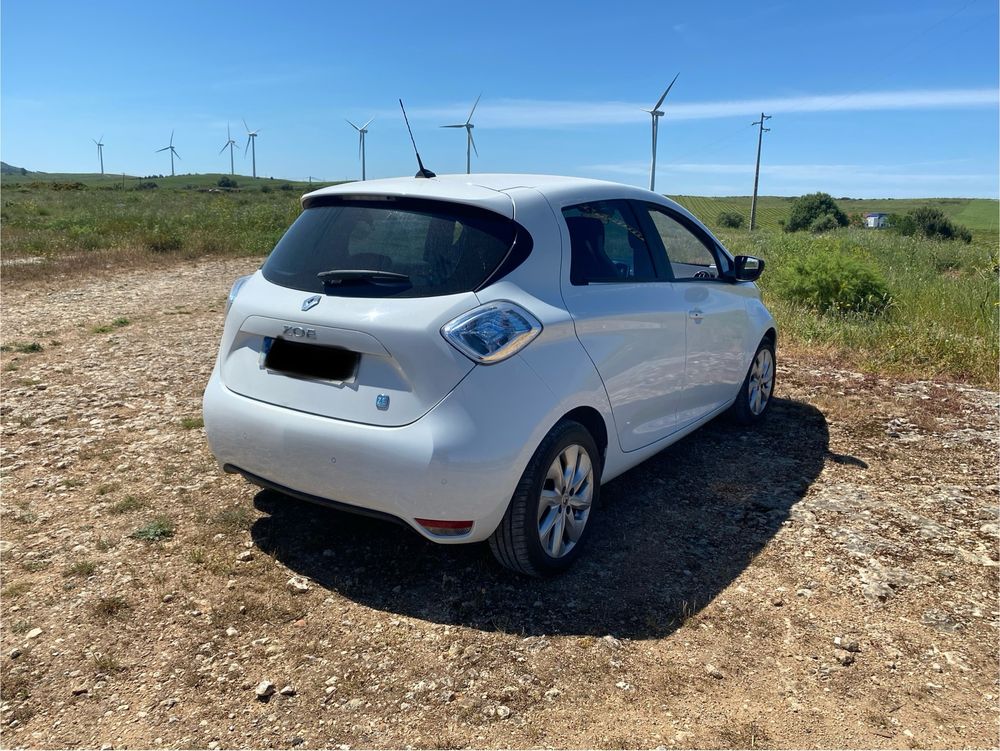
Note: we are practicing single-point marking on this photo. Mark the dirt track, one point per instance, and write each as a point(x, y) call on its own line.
point(704, 614)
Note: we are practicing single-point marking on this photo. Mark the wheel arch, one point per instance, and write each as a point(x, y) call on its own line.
point(593, 421)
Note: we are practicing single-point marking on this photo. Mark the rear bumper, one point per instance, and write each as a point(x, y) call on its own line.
point(460, 461)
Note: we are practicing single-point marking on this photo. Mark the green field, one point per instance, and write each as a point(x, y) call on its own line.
point(978, 214)
point(942, 321)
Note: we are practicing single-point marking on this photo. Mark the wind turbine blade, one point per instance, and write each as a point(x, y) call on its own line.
point(368, 123)
point(163, 149)
point(361, 143)
point(351, 124)
point(247, 147)
point(224, 147)
point(469, 120)
point(176, 154)
point(171, 138)
point(246, 126)
point(229, 136)
point(95, 142)
point(660, 101)
point(460, 125)
point(472, 141)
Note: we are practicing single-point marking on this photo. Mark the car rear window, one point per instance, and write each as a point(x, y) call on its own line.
point(439, 248)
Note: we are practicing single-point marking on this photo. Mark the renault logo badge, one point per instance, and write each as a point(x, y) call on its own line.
point(311, 302)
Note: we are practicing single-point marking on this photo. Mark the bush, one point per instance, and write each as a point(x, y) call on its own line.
point(833, 282)
point(146, 185)
point(807, 209)
point(227, 182)
point(824, 223)
point(930, 223)
point(730, 219)
point(163, 239)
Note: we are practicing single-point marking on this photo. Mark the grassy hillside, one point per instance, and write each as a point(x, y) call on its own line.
point(978, 214)
point(942, 321)
point(194, 181)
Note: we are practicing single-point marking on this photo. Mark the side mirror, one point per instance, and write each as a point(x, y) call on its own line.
point(747, 268)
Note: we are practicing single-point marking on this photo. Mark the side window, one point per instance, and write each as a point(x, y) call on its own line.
point(689, 256)
point(608, 244)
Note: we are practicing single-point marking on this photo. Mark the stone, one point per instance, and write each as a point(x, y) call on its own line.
point(287, 691)
point(714, 672)
point(264, 690)
point(552, 694)
point(80, 689)
point(231, 631)
point(849, 645)
point(213, 745)
point(612, 642)
point(33, 634)
point(844, 657)
point(297, 585)
point(354, 704)
point(245, 556)
point(15, 653)
point(503, 712)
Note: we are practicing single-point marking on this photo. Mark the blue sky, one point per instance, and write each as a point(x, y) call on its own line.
point(869, 99)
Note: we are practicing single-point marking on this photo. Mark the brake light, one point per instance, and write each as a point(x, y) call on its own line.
point(492, 332)
point(237, 285)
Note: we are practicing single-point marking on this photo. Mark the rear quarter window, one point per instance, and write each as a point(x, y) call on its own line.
point(442, 248)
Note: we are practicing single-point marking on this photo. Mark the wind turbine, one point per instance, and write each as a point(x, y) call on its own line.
point(656, 114)
point(100, 152)
point(361, 142)
point(230, 142)
point(252, 145)
point(173, 152)
point(470, 145)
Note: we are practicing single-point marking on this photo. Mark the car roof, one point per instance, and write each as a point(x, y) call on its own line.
point(491, 190)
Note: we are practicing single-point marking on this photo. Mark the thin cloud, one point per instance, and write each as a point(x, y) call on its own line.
point(536, 113)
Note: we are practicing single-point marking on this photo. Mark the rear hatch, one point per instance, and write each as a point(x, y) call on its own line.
point(344, 318)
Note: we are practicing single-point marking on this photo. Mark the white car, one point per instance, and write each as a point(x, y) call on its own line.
point(475, 355)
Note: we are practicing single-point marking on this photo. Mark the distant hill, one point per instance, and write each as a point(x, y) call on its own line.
point(10, 169)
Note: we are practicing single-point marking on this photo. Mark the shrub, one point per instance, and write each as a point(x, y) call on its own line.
point(227, 182)
point(163, 239)
point(730, 219)
point(146, 185)
point(824, 223)
point(833, 282)
point(930, 223)
point(807, 209)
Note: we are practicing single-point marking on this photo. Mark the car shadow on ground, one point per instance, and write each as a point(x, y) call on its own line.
point(669, 536)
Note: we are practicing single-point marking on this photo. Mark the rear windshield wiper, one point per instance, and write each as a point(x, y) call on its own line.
point(341, 276)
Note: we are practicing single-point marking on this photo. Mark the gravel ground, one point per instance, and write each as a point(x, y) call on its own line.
point(828, 580)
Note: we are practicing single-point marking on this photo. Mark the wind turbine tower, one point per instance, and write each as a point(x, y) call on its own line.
point(230, 142)
point(100, 152)
point(470, 145)
point(656, 114)
point(361, 142)
point(252, 145)
point(173, 152)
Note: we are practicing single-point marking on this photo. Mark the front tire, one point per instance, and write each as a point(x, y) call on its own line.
point(549, 515)
point(754, 399)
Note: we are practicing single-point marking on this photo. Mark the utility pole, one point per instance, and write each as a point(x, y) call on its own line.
point(756, 174)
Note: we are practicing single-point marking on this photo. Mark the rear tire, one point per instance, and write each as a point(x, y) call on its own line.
point(547, 521)
point(757, 391)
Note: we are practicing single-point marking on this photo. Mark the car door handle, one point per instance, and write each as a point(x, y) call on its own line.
point(695, 315)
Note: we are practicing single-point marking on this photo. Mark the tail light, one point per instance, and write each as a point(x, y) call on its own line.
point(492, 332)
point(236, 290)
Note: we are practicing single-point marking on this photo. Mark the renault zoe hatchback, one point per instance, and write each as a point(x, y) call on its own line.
point(474, 355)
